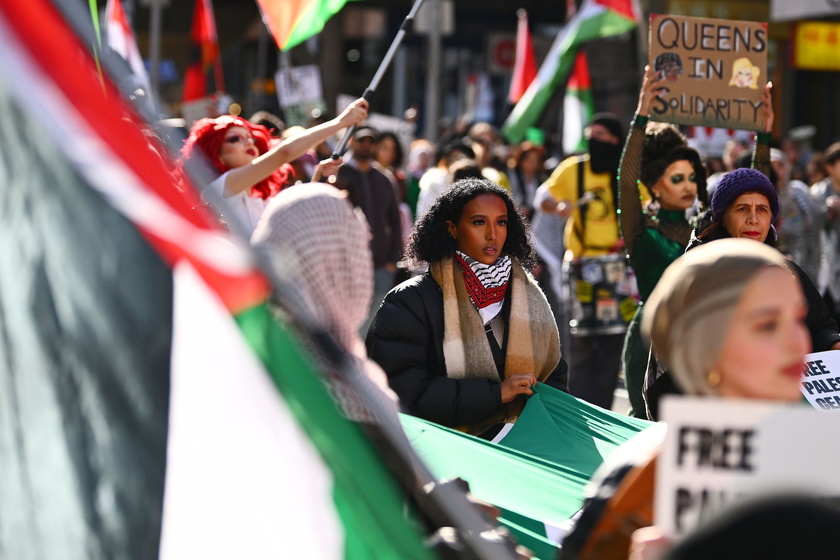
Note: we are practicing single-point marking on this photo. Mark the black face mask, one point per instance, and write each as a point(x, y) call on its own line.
point(603, 157)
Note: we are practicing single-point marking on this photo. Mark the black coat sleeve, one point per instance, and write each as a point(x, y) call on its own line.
point(559, 378)
point(405, 339)
point(822, 326)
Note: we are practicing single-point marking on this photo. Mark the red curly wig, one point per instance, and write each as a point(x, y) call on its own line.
point(206, 137)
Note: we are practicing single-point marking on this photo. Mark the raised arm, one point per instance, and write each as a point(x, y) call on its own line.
point(246, 176)
point(630, 167)
point(761, 151)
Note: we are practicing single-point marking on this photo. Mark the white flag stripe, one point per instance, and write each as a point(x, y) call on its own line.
point(243, 480)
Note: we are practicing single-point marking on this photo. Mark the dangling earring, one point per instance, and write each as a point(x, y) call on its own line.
point(713, 379)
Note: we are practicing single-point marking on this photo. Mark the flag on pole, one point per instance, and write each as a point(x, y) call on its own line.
point(596, 19)
point(152, 406)
point(205, 56)
point(578, 107)
point(525, 64)
point(292, 22)
point(120, 38)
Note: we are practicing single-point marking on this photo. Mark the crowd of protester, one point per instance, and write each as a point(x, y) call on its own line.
point(480, 254)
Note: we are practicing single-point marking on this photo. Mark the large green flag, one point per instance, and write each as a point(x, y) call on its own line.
point(536, 470)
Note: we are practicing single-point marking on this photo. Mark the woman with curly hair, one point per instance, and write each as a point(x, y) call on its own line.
point(464, 343)
point(251, 167)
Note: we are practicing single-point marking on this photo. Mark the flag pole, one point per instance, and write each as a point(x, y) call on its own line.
point(377, 77)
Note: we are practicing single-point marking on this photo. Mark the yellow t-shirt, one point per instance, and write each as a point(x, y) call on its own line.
point(599, 235)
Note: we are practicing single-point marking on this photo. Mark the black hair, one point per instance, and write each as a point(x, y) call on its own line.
point(465, 168)
point(399, 156)
point(665, 144)
point(668, 63)
point(430, 240)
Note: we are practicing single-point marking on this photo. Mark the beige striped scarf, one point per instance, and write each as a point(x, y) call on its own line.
point(533, 341)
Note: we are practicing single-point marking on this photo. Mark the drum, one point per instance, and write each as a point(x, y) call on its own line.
point(602, 296)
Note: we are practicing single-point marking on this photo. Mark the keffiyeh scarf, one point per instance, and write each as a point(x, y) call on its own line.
point(486, 283)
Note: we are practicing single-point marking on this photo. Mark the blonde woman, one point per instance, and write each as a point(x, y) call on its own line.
point(744, 74)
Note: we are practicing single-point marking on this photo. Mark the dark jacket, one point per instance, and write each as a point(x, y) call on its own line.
point(373, 192)
point(406, 340)
point(820, 324)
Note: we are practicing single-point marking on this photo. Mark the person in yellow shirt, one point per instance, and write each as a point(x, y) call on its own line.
point(584, 189)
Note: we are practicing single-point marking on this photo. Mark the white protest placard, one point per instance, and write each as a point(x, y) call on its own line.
point(721, 451)
point(821, 380)
point(299, 92)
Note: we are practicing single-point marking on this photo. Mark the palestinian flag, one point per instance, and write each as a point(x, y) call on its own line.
point(578, 106)
point(120, 37)
point(596, 19)
point(151, 406)
point(292, 22)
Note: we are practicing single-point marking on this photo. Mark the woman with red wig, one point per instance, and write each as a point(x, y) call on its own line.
point(251, 167)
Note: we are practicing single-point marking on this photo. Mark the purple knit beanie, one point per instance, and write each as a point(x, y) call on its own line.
point(740, 181)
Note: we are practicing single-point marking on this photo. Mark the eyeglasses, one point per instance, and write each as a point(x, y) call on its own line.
point(367, 139)
point(236, 138)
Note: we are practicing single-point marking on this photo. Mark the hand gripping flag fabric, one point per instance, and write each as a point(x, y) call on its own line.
point(596, 19)
point(553, 448)
point(150, 405)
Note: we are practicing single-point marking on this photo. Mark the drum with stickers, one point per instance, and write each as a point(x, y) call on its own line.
point(602, 295)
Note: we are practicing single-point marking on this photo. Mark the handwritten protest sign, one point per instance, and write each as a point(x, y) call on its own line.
point(716, 71)
point(821, 380)
point(721, 451)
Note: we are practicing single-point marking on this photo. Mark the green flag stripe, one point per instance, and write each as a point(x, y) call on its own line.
point(556, 70)
point(312, 21)
point(369, 502)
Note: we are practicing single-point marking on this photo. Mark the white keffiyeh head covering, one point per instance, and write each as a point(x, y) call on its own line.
point(318, 247)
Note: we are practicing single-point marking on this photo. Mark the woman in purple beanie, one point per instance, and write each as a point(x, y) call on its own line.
point(745, 204)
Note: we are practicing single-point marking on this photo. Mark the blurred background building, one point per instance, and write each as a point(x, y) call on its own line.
point(456, 60)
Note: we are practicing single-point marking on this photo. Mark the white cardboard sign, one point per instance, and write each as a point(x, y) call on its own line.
point(821, 380)
point(719, 451)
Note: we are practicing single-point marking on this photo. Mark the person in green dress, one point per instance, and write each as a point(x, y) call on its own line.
point(658, 156)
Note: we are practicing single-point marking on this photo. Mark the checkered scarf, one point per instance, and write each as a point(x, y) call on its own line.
point(318, 247)
point(486, 283)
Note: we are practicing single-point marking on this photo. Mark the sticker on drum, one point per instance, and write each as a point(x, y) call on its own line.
point(591, 272)
point(606, 310)
point(626, 287)
point(584, 292)
point(614, 271)
point(627, 308)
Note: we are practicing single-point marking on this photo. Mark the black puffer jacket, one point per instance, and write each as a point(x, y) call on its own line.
point(406, 340)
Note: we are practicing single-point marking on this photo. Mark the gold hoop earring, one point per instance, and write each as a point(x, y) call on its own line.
point(713, 379)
